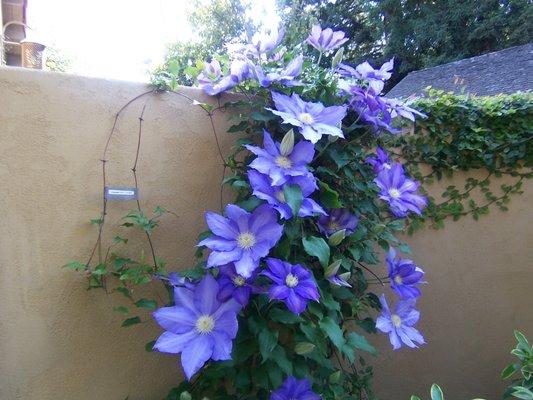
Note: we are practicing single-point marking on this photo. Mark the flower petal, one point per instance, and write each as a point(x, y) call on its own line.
point(220, 226)
point(195, 354)
point(172, 343)
point(175, 319)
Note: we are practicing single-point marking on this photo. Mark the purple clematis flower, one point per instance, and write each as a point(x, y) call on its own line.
point(198, 326)
point(264, 42)
point(264, 189)
point(241, 237)
point(292, 284)
point(286, 76)
point(293, 389)
point(404, 275)
point(400, 109)
point(399, 325)
point(211, 73)
point(327, 39)
point(281, 167)
point(381, 162)
point(233, 285)
point(175, 279)
point(312, 119)
point(399, 191)
point(336, 220)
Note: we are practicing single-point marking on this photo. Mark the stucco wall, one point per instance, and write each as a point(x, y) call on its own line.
point(59, 341)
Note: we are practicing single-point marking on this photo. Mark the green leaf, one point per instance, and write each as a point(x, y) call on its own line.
point(508, 371)
point(415, 398)
point(149, 346)
point(333, 331)
point(264, 117)
point(284, 316)
point(436, 392)
point(303, 348)
point(145, 303)
point(359, 342)
point(131, 321)
point(293, 197)
point(75, 265)
point(317, 247)
point(121, 309)
point(522, 392)
point(280, 357)
point(267, 341)
point(329, 198)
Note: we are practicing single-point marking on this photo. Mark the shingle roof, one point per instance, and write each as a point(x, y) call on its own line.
point(505, 71)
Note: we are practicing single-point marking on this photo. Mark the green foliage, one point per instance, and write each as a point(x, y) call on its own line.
point(522, 386)
point(468, 133)
point(436, 394)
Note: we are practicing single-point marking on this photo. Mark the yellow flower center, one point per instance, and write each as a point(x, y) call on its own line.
point(333, 226)
point(280, 196)
point(291, 280)
point(246, 240)
point(396, 320)
point(394, 193)
point(283, 162)
point(398, 279)
point(238, 280)
point(306, 118)
point(205, 324)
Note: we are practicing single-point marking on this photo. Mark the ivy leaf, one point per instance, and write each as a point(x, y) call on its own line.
point(293, 197)
point(267, 341)
point(317, 247)
point(145, 303)
point(131, 321)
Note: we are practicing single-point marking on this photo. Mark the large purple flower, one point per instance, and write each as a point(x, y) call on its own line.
point(286, 76)
point(380, 162)
point(293, 389)
point(264, 42)
point(279, 167)
point(327, 39)
point(312, 119)
point(264, 189)
point(292, 284)
point(241, 237)
point(337, 220)
point(404, 275)
point(399, 191)
point(399, 324)
point(198, 326)
point(234, 285)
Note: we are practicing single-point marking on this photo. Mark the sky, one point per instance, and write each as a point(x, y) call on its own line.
point(118, 39)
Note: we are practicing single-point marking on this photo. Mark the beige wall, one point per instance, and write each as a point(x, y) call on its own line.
point(59, 341)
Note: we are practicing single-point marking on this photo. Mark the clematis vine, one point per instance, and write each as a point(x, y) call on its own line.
point(399, 191)
point(337, 220)
point(404, 275)
point(281, 165)
point(293, 389)
point(312, 119)
point(327, 39)
point(292, 284)
point(198, 326)
point(264, 189)
point(399, 324)
point(285, 76)
point(241, 237)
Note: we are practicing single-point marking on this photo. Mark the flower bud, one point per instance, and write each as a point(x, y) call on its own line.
point(287, 143)
point(345, 276)
point(185, 396)
point(337, 58)
point(303, 348)
point(333, 268)
point(337, 237)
